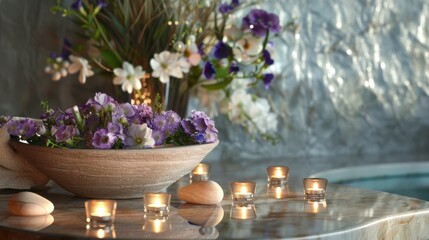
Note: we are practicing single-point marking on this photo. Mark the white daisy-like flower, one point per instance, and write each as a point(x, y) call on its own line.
point(57, 67)
point(139, 136)
point(129, 77)
point(166, 64)
point(190, 51)
point(80, 64)
point(247, 49)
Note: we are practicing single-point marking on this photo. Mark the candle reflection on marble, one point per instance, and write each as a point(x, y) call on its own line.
point(156, 223)
point(315, 206)
point(100, 232)
point(315, 188)
point(243, 211)
point(100, 212)
point(200, 172)
point(156, 203)
point(277, 191)
point(277, 175)
point(243, 191)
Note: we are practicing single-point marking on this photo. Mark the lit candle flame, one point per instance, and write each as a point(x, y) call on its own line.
point(100, 210)
point(278, 173)
point(315, 185)
point(243, 189)
point(200, 170)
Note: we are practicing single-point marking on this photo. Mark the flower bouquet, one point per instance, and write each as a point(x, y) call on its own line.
point(70, 146)
point(176, 48)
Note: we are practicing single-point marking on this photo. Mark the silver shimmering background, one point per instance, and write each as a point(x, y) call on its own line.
point(354, 76)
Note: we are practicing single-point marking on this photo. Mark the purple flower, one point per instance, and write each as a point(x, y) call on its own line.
point(267, 57)
point(225, 8)
point(116, 129)
point(235, 3)
point(221, 50)
point(200, 138)
point(103, 139)
point(201, 49)
point(260, 21)
point(268, 77)
point(64, 132)
point(210, 137)
point(143, 114)
point(13, 127)
point(77, 5)
point(28, 128)
point(118, 116)
point(209, 70)
point(101, 4)
point(173, 121)
point(234, 68)
point(102, 101)
point(128, 110)
point(159, 122)
point(188, 126)
point(159, 137)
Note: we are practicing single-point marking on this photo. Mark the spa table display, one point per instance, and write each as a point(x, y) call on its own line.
point(276, 211)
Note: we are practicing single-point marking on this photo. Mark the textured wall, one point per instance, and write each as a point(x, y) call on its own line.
point(354, 76)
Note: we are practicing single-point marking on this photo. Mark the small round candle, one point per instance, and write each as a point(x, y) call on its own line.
point(315, 188)
point(277, 174)
point(156, 202)
point(243, 191)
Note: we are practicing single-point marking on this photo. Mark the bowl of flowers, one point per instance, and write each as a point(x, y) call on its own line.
point(103, 149)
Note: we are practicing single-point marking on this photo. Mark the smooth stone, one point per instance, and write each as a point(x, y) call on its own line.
point(202, 215)
point(29, 204)
point(204, 192)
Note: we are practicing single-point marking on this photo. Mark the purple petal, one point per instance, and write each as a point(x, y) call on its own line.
point(221, 50)
point(208, 70)
point(267, 79)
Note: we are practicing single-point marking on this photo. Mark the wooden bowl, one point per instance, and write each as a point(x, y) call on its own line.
point(113, 173)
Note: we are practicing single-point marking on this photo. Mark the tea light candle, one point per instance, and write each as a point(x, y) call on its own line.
point(277, 174)
point(100, 212)
point(243, 211)
point(156, 224)
point(315, 188)
point(315, 206)
point(243, 191)
point(200, 172)
point(157, 203)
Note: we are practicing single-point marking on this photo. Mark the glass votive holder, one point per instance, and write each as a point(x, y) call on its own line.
point(243, 211)
point(156, 203)
point(100, 232)
point(277, 191)
point(100, 213)
point(277, 175)
point(156, 223)
point(243, 191)
point(315, 188)
point(315, 206)
point(200, 172)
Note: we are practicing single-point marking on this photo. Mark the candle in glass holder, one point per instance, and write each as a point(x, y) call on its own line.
point(243, 191)
point(156, 224)
point(156, 203)
point(200, 172)
point(100, 212)
point(315, 188)
point(277, 174)
point(315, 206)
point(243, 211)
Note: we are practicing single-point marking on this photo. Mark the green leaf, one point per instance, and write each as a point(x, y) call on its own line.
point(221, 73)
point(110, 59)
point(219, 85)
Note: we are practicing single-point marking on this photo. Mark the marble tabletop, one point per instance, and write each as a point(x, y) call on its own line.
point(348, 213)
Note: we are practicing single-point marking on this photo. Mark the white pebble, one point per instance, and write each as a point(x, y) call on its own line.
point(205, 192)
point(29, 204)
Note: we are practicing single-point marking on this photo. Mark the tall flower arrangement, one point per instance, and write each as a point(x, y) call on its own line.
point(173, 47)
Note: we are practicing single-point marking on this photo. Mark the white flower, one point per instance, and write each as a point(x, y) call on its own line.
point(139, 136)
point(248, 49)
point(166, 64)
point(57, 68)
point(190, 51)
point(251, 112)
point(80, 64)
point(129, 77)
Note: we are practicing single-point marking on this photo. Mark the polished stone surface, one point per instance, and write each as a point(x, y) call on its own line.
point(347, 212)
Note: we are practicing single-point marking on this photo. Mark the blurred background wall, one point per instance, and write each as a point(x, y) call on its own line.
point(353, 78)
